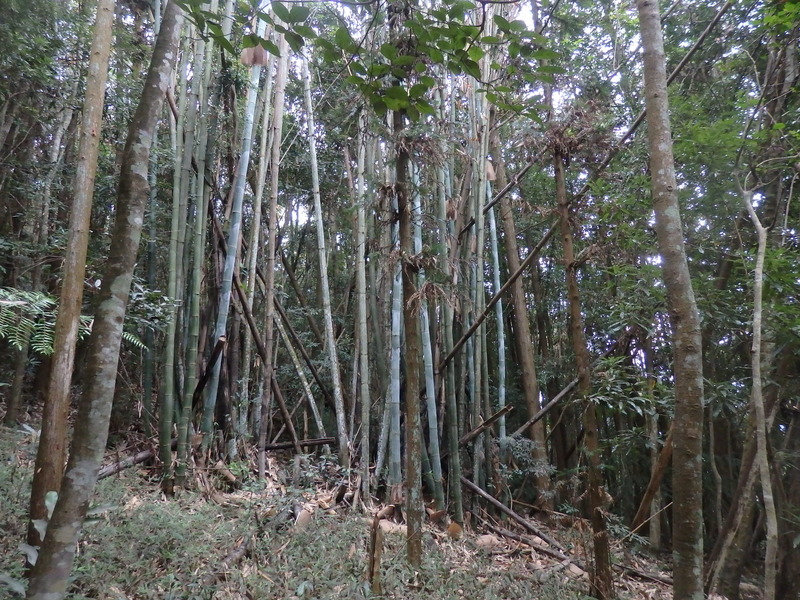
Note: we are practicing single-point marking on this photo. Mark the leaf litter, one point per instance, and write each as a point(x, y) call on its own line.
point(295, 535)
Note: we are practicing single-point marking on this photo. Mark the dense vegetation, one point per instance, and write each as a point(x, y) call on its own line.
point(432, 237)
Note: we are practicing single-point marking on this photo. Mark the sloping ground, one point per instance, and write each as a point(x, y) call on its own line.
point(294, 536)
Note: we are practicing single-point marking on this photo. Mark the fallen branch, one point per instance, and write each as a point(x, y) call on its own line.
point(314, 442)
point(466, 439)
point(121, 465)
point(561, 556)
point(234, 557)
point(532, 543)
point(504, 509)
point(131, 461)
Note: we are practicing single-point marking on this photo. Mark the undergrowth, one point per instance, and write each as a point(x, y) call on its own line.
point(146, 547)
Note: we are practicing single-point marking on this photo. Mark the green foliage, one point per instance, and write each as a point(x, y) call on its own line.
point(30, 317)
point(400, 75)
point(618, 385)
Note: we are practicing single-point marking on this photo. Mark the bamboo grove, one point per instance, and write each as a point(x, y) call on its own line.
point(547, 251)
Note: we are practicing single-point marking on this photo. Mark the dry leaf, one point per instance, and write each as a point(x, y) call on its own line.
point(454, 531)
point(256, 55)
point(303, 519)
point(389, 527)
point(488, 542)
point(437, 516)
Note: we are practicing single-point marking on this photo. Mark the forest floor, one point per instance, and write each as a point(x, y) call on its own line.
point(292, 536)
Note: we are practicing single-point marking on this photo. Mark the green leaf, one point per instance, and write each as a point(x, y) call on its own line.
point(420, 67)
point(427, 80)
point(15, 585)
point(395, 104)
point(378, 70)
point(425, 108)
point(459, 9)
point(250, 40)
point(545, 54)
point(281, 12)
point(476, 53)
point(343, 39)
point(397, 92)
point(404, 61)
point(418, 90)
point(298, 14)
point(413, 113)
point(389, 51)
point(435, 55)
point(471, 68)
point(551, 69)
point(294, 40)
point(306, 31)
point(271, 47)
point(354, 79)
point(266, 17)
point(378, 105)
point(502, 23)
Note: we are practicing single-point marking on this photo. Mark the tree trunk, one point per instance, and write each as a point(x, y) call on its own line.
point(522, 331)
point(330, 338)
point(361, 291)
point(50, 576)
point(52, 451)
point(412, 353)
point(688, 437)
point(232, 251)
point(757, 400)
point(272, 224)
point(601, 582)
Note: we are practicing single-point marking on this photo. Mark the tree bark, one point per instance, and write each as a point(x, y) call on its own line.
point(688, 437)
point(413, 351)
point(601, 582)
point(50, 576)
point(330, 338)
point(52, 451)
point(522, 330)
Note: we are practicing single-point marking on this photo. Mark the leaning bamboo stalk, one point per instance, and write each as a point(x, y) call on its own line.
point(233, 236)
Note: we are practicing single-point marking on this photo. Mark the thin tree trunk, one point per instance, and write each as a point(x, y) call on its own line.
point(202, 198)
point(255, 243)
point(687, 468)
point(232, 251)
point(338, 397)
point(52, 451)
point(272, 224)
point(175, 264)
point(445, 189)
point(522, 331)
point(601, 582)
point(757, 399)
point(434, 454)
point(413, 352)
point(361, 291)
point(50, 576)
